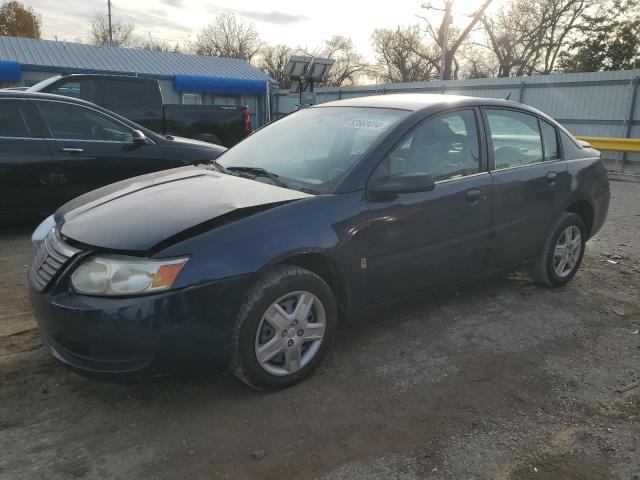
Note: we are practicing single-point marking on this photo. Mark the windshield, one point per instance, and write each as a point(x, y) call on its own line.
point(313, 148)
point(38, 87)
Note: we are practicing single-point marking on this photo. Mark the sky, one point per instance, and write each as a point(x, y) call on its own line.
point(293, 23)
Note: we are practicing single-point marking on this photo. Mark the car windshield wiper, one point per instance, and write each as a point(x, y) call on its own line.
point(260, 171)
point(219, 166)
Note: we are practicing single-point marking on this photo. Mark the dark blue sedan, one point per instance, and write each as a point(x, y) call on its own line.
point(335, 208)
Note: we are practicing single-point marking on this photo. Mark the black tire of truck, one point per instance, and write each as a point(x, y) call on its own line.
point(209, 138)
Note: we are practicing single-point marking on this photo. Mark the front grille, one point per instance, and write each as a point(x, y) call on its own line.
point(51, 256)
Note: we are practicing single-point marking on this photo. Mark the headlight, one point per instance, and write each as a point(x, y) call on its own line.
point(117, 275)
point(43, 229)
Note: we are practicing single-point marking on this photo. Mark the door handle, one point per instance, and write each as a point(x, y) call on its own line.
point(474, 196)
point(551, 178)
point(72, 149)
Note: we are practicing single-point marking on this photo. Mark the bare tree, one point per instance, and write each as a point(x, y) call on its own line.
point(527, 36)
point(514, 35)
point(475, 62)
point(99, 31)
point(272, 61)
point(402, 56)
point(562, 18)
point(155, 45)
point(449, 44)
point(228, 36)
point(349, 64)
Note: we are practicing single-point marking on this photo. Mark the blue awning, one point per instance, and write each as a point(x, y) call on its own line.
point(191, 83)
point(9, 71)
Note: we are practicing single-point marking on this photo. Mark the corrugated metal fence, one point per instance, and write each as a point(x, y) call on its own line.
point(599, 104)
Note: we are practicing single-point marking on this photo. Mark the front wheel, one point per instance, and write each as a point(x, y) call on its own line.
point(562, 252)
point(284, 329)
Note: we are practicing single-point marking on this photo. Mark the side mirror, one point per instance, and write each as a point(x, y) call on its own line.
point(403, 183)
point(139, 137)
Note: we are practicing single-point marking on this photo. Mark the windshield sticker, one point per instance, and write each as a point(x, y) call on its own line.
point(366, 124)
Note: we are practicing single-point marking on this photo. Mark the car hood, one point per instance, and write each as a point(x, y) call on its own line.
point(191, 142)
point(138, 214)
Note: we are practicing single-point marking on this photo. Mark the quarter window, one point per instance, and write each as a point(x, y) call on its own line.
point(67, 121)
point(13, 121)
point(550, 141)
point(445, 146)
point(515, 137)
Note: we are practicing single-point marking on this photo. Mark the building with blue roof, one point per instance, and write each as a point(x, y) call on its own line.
point(184, 78)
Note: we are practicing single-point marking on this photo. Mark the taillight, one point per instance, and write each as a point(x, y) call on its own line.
point(246, 119)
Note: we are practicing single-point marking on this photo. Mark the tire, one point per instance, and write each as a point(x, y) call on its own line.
point(208, 137)
point(545, 270)
point(260, 324)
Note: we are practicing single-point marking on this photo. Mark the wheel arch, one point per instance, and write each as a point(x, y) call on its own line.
point(584, 210)
point(206, 129)
point(324, 266)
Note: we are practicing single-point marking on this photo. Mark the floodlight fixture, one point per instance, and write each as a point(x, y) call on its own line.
point(296, 66)
point(319, 69)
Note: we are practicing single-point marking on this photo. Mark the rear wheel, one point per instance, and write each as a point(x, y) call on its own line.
point(562, 252)
point(284, 329)
point(208, 137)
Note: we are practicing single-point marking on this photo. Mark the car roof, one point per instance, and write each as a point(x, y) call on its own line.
point(62, 98)
point(420, 101)
point(42, 96)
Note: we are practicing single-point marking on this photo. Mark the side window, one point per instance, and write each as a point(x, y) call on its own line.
point(515, 137)
point(84, 89)
point(550, 141)
point(125, 93)
point(67, 121)
point(446, 146)
point(13, 119)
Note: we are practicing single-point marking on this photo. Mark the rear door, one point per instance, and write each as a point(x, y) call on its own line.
point(26, 166)
point(134, 99)
point(91, 149)
point(531, 184)
point(418, 241)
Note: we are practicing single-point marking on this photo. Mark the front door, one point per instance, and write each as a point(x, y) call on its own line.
point(418, 241)
point(91, 149)
point(531, 184)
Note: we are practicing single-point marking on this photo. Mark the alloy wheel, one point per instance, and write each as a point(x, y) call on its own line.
point(567, 251)
point(290, 333)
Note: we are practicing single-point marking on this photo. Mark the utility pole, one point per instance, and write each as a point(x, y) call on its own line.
point(110, 30)
point(444, 36)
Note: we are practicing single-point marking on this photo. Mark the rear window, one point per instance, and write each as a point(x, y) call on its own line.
point(125, 93)
point(13, 121)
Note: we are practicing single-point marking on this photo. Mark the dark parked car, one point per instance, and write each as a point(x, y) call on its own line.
point(54, 148)
point(338, 207)
point(140, 100)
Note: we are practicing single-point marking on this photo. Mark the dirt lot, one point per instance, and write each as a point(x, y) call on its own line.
point(504, 381)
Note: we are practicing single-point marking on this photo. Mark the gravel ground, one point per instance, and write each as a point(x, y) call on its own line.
point(504, 381)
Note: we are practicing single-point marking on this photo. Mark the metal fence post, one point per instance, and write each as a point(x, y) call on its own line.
point(521, 92)
point(631, 114)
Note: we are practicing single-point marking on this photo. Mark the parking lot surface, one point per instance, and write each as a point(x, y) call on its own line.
point(506, 380)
